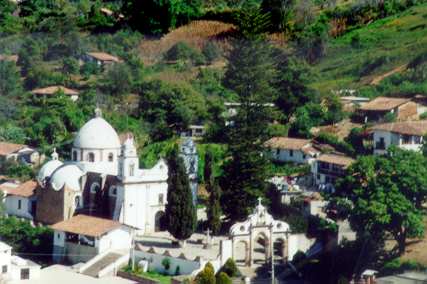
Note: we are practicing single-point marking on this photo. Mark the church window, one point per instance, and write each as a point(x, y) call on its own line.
point(113, 191)
point(74, 155)
point(161, 198)
point(110, 157)
point(131, 170)
point(91, 157)
point(77, 201)
point(94, 188)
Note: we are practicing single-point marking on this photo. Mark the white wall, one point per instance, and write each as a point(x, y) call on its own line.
point(12, 203)
point(5, 259)
point(284, 156)
point(393, 139)
point(18, 264)
point(298, 242)
point(119, 238)
point(186, 267)
point(59, 239)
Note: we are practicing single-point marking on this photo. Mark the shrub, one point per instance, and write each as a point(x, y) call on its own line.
point(423, 115)
point(223, 278)
point(211, 51)
point(390, 117)
point(230, 268)
point(182, 51)
point(332, 140)
point(206, 276)
point(166, 262)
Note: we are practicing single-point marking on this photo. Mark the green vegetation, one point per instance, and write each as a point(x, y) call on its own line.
point(180, 213)
point(30, 242)
point(162, 278)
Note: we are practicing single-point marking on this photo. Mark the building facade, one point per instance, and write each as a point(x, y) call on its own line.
point(103, 179)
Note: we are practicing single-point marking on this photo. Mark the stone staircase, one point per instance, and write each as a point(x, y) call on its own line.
point(103, 262)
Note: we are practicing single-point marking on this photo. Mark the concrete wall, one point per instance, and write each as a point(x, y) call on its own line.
point(393, 139)
point(13, 208)
point(285, 156)
point(116, 239)
point(76, 253)
point(298, 242)
point(186, 267)
point(5, 259)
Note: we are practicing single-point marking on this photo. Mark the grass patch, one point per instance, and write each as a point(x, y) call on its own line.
point(163, 279)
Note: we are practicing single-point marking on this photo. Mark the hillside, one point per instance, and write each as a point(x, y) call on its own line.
point(361, 56)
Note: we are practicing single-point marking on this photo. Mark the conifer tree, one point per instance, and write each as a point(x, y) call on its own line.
point(213, 209)
point(250, 74)
point(180, 211)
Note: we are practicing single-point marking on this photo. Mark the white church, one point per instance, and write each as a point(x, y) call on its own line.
point(103, 179)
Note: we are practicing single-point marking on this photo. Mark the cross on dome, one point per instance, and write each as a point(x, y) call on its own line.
point(54, 154)
point(98, 112)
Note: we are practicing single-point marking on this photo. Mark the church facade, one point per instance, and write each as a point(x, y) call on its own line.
point(103, 179)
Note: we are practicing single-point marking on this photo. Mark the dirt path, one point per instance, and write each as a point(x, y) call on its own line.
point(378, 79)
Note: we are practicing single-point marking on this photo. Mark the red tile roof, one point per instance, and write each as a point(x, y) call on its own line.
point(418, 128)
point(7, 148)
point(25, 189)
point(53, 90)
point(384, 103)
point(86, 225)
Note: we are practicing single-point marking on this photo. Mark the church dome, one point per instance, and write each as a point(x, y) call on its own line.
point(97, 134)
point(67, 175)
point(47, 170)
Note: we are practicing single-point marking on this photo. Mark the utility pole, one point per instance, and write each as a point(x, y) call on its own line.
point(272, 253)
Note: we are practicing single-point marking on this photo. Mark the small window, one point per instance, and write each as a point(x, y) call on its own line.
point(19, 204)
point(113, 191)
point(110, 157)
point(417, 140)
point(4, 269)
point(77, 201)
point(161, 198)
point(91, 157)
point(304, 156)
point(277, 152)
point(291, 153)
point(94, 188)
point(25, 273)
point(74, 155)
point(58, 236)
point(131, 170)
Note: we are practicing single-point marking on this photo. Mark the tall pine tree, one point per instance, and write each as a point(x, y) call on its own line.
point(213, 209)
point(250, 74)
point(180, 211)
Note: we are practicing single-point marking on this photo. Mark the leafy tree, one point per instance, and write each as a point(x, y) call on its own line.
point(180, 210)
point(252, 23)
point(281, 13)
point(157, 16)
point(10, 80)
point(182, 51)
point(249, 74)
point(213, 209)
point(385, 193)
point(118, 80)
point(70, 66)
point(292, 84)
point(30, 54)
point(24, 238)
point(206, 276)
point(169, 108)
point(2, 204)
point(211, 51)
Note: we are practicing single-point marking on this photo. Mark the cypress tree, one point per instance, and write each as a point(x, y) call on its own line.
point(180, 211)
point(250, 74)
point(213, 209)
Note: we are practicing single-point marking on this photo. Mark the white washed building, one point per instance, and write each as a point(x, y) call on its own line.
point(20, 198)
point(286, 149)
point(407, 135)
point(103, 179)
point(82, 237)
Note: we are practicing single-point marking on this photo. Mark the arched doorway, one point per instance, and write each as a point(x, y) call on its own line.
point(159, 222)
point(260, 248)
point(241, 253)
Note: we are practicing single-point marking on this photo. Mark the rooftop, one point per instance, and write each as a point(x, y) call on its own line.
point(53, 90)
point(7, 148)
point(102, 56)
point(418, 128)
point(4, 57)
point(384, 104)
point(336, 159)
point(25, 189)
point(86, 225)
point(287, 143)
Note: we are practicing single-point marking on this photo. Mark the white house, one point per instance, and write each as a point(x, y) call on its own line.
point(20, 198)
point(20, 152)
point(82, 237)
point(16, 268)
point(328, 167)
point(378, 108)
point(286, 149)
point(101, 58)
point(53, 90)
point(407, 135)
point(103, 179)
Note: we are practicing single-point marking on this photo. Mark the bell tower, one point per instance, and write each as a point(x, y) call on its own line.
point(128, 160)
